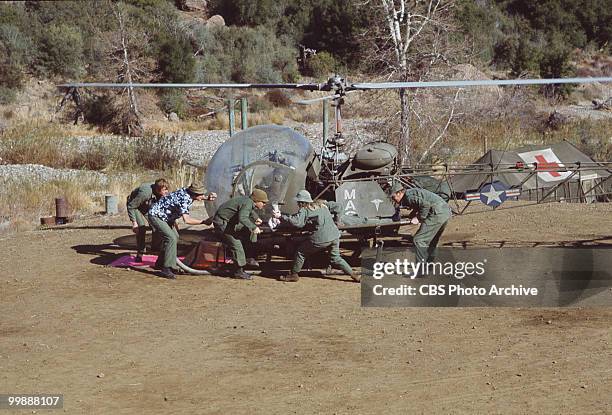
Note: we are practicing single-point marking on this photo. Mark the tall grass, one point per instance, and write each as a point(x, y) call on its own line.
point(23, 201)
point(44, 143)
point(592, 137)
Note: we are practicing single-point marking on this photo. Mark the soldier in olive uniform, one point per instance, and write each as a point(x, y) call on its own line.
point(316, 216)
point(138, 204)
point(433, 213)
point(234, 220)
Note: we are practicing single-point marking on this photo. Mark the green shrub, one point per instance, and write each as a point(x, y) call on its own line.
point(174, 100)
point(243, 54)
point(321, 65)
point(176, 61)
point(61, 51)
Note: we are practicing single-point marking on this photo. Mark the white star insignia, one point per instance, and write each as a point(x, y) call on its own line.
point(493, 195)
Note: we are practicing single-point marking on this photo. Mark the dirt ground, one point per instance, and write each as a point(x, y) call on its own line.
point(124, 341)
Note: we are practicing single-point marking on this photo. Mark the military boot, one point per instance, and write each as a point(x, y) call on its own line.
point(293, 277)
point(251, 262)
point(241, 275)
point(167, 273)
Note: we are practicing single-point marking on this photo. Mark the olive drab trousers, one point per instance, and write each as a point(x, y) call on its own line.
point(142, 232)
point(236, 239)
point(428, 235)
point(169, 239)
point(235, 245)
point(308, 248)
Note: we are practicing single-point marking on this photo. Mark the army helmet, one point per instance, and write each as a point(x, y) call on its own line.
point(397, 186)
point(303, 196)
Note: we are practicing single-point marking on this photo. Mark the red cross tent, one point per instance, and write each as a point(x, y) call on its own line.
point(575, 175)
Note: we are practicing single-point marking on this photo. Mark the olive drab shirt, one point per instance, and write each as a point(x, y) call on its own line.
point(425, 203)
point(319, 221)
point(141, 199)
point(236, 214)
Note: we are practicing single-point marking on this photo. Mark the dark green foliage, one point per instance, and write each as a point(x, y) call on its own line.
point(554, 24)
point(79, 39)
point(333, 26)
point(243, 54)
point(176, 61)
point(538, 37)
point(14, 56)
point(479, 24)
point(555, 63)
point(525, 58)
point(578, 21)
point(249, 12)
point(16, 51)
point(60, 51)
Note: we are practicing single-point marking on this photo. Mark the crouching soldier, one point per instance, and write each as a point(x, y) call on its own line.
point(162, 217)
point(433, 213)
point(138, 204)
point(237, 224)
point(316, 217)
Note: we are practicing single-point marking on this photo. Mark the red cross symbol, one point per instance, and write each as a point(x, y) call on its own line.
point(545, 165)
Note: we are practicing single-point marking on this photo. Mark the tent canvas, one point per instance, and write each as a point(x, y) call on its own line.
point(549, 156)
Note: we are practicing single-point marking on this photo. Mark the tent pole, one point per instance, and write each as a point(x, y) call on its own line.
point(600, 184)
point(557, 186)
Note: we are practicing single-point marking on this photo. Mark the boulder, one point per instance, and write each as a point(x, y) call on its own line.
point(215, 21)
point(173, 117)
point(192, 5)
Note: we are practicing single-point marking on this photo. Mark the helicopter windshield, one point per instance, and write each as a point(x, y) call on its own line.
point(268, 157)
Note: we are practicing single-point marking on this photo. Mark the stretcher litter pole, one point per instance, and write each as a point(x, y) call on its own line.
point(325, 124)
point(243, 113)
point(232, 115)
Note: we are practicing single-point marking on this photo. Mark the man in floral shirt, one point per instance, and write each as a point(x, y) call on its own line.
point(162, 218)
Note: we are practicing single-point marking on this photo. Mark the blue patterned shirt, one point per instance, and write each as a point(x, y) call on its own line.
point(171, 207)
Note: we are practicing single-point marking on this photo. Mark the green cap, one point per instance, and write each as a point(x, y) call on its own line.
point(259, 195)
point(303, 196)
point(196, 189)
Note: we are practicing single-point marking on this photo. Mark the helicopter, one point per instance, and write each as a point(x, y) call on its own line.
point(282, 161)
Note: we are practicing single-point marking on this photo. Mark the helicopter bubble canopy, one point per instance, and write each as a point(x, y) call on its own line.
point(273, 158)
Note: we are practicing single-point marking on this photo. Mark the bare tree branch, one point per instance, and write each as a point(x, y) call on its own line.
point(448, 122)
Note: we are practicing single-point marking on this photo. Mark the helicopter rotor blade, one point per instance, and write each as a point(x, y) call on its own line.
point(483, 82)
point(307, 87)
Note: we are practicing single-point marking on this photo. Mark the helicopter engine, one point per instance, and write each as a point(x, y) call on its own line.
point(375, 156)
